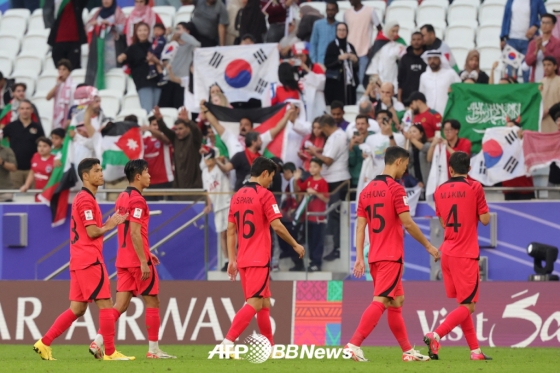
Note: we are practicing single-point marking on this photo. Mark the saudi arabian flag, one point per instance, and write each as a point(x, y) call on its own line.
point(481, 106)
point(56, 192)
point(121, 142)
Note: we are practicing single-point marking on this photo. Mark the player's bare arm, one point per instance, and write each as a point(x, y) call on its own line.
point(94, 231)
point(484, 218)
point(283, 233)
point(137, 242)
point(232, 250)
point(359, 266)
point(417, 234)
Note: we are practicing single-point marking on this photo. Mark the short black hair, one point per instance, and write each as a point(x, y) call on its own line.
point(415, 33)
point(181, 121)
point(20, 84)
point(151, 118)
point(60, 132)
point(262, 164)
point(250, 138)
point(551, 60)
point(249, 119)
point(249, 36)
point(44, 139)
point(27, 102)
point(159, 25)
point(332, 2)
point(460, 162)
point(395, 152)
point(455, 124)
point(337, 105)
point(134, 167)
point(428, 28)
point(290, 166)
point(185, 25)
point(416, 96)
point(327, 120)
point(383, 111)
point(86, 165)
point(551, 16)
point(131, 118)
point(361, 116)
point(64, 62)
point(317, 161)
point(82, 85)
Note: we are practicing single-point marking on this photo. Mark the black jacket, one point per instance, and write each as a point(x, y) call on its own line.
point(411, 67)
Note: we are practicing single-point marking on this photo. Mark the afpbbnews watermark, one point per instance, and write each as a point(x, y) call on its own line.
point(257, 349)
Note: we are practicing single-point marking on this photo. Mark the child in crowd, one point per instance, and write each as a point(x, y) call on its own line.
point(42, 165)
point(57, 139)
point(318, 189)
point(156, 49)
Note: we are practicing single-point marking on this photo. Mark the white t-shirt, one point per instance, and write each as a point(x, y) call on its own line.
point(378, 143)
point(435, 86)
point(336, 148)
point(351, 128)
point(520, 19)
point(216, 181)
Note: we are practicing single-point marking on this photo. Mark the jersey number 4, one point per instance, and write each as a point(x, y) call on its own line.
point(373, 215)
point(246, 223)
point(452, 220)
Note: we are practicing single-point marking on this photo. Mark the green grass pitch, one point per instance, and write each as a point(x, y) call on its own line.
point(22, 358)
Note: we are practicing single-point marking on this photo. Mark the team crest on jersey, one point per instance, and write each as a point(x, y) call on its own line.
point(48, 169)
point(405, 200)
point(137, 213)
point(157, 144)
point(276, 209)
point(33, 131)
point(88, 214)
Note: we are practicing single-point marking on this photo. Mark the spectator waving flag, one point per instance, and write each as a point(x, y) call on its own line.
point(482, 106)
point(242, 71)
point(511, 57)
point(63, 177)
point(540, 149)
point(438, 172)
point(121, 142)
point(501, 158)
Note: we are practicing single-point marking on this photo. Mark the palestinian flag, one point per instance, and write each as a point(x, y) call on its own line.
point(5, 119)
point(121, 142)
point(263, 120)
point(64, 177)
point(299, 214)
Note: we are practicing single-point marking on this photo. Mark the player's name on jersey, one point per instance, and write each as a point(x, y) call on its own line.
point(373, 193)
point(459, 194)
point(244, 200)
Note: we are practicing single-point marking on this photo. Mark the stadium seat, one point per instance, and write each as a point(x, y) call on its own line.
point(461, 12)
point(130, 86)
point(551, 5)
point(6, 63)
point(48, 63)
point(44, 107)
point(36, 21)
point(405, 34)
point(78, 75)
point(127, 10)
point(491, 14)
point(28, 79)
point(501, 2)
point(475, 3)
point(115, 79)
point(350, 112)
point(18, 12)
point(35, 42)
point(429, 14)
point(460, 36)
point(29, 63)
point(84, 55)
point(460, 54)
point(46, 81)
point(443, 3)
point(110, 102)
point(10, 44)
point(399, 13)
point(379, 6)
point(85, 15)
point(320, 6)
point(343, 6)
point(169, 115)
point(410, 3)
point(166, 13)
point(488, 55)
point(131, 101)
point(140, 114)
point(182, 17)
point(488, 36)
point(14, 22)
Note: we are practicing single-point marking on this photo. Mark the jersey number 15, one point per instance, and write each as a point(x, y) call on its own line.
point(374, 215)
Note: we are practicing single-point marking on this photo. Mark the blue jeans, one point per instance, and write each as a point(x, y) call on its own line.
point(521, 47)
point(149, 97)
point(363, 61)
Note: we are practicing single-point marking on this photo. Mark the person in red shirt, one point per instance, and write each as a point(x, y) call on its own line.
point(383, 208)
point(88, 275)
point(253, 211)
point(317, 139)
point(452, 142)
point(460, 205)
point(136, 272)
point(429, 119)
point(42, 164)
point(318, 190)
point(158, 152)
point(288, 87)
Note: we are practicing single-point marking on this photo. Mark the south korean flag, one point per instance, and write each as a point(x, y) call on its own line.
point(501, 158)
point(242, 71)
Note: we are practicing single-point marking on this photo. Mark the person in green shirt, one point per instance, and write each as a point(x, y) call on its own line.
point(355, 158)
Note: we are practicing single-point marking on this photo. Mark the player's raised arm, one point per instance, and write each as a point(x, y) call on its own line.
point(415, 232)
point(94, 231)
point(283, 233)
point(359, 267)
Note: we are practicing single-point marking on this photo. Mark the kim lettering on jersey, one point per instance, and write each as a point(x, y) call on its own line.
point(459, 194)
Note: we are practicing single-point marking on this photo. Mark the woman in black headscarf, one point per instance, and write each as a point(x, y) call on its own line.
point(250, 20)
point(341, 62)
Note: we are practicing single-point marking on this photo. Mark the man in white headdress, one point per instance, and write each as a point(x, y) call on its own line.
point(436, 81)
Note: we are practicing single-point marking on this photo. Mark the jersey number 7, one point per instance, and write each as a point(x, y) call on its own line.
point(247, 223)
point(372, 213)
point(453, 215)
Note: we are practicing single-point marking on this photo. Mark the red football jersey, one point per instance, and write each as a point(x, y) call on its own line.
point(459, 203)
point(42, 169)
point(85, 251)
point(315, 204)
point(430, 121)
point(381, 202)
point(132, 201)
point(462, 145)
point(158, 155)
point(252, 210)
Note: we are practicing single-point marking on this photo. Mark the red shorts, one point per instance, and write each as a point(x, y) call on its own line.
point(387, 279)
point(255, 282)
point(130, 279)
point(460, 277)
point(89, 284)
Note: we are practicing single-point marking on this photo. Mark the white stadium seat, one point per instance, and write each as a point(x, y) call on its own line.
point(10, 44)
point(15, 23)
point(28, 63)
point(413, 4)
point(84, 55)
point(130, 86)
point(460, 54)
point(169, 115)
point(36, 21)
point(110, 102)
point(6, 63)
point(35, 42)
point(78, 75)
point(48, 63)
point(379, 6)
point(551, 5)
point(405, 34)
point(491, 14)
point(430, 13)
point(399, 13)
point(488, 55)
point(183, 17)
point(28, 79)
point(115, 79)
point(343, 6)
point(460, 36)
point(166, 13)
point(140, 114)
point(18, 12)
point(501, 2)
point(475, 3)
point(488, 36)
point(46, 81)
point(127, 10)
point(461, 12)
point(131, 101)
point(443, 3)
point(320, 6)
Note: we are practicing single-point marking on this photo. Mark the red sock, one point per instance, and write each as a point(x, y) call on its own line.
point(452, 320)
point(116, 315)
point(152, 324)
point(60, 325)
point(240, 322)
point(107, 329)
point(369, 320)
point(263, 319)
point(468, 330)
point(396, 323)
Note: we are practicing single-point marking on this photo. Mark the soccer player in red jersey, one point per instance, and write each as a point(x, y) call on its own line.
point(252, 212)
point(136, 272)
point(460, 205)
point(383, 208)
point(88, 275)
